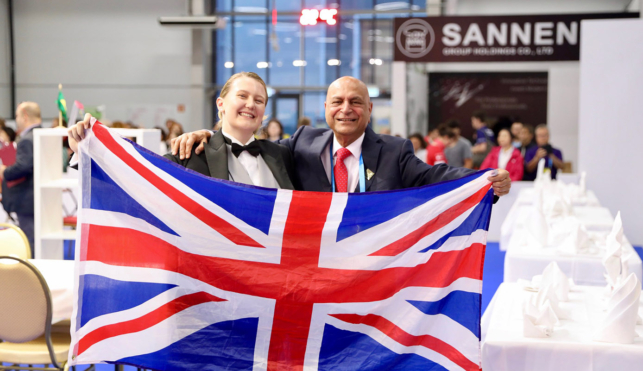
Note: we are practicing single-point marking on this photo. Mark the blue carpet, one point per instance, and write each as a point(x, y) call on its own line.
point(494, 262)
point(68, 249)
point(639, 250)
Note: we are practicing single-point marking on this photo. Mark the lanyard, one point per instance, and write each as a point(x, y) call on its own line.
point(362, 173)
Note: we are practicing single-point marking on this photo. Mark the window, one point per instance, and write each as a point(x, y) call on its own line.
point(251, 45)
point(304, 60)
point(286, 63)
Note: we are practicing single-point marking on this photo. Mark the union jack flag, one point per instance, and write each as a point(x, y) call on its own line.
point(177, 271)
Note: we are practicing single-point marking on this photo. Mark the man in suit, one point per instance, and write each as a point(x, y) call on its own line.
point(17, 179)
point(389, 162)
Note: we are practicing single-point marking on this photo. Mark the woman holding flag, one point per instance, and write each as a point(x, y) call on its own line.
point(233, 153)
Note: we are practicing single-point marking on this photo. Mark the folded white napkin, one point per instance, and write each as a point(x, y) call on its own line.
point(540, 170)
point(548, 294)
point(615, 238)
point(553, 277)
point(612, 259)
point(536, 223)
point(538, 322)
point(583, 183)
point(569, 204)
point(543, 178)
point(555, 207)
point(577, 239)
point(622, 313)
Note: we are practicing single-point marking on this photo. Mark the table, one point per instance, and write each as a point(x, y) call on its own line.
point(523, 205)
point(570, 348)
point(59, 275)
point(523, 261)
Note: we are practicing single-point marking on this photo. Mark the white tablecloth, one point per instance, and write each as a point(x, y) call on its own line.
point(524, 260)
point(570, 348)
point(59, 275)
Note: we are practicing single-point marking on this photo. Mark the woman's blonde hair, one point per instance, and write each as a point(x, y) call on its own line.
point(226, 86)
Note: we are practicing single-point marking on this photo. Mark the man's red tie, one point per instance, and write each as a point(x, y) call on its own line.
point(341, 172)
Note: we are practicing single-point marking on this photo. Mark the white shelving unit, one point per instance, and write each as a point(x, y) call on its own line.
point(50, 182)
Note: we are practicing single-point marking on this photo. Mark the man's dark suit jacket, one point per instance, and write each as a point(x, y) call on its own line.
point(391, 159)
point(18, 197)
point(213, 160)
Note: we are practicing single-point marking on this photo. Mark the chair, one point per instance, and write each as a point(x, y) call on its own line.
point(14, 242)
point(26, 331)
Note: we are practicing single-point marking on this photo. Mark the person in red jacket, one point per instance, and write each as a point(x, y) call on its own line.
point(505, 156)
point(435, 150)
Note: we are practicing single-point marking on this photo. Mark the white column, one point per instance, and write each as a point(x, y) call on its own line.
point(398, 99)
point(200, 106)
point(433, 7)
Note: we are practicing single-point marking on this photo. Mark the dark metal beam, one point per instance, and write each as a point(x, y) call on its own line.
point(12, 61)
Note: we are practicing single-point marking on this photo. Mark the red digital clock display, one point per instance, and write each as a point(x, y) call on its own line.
point(310, 17)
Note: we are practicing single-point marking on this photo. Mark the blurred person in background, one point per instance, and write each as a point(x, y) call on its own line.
point(17, 179)
point(275, 130)
point(435, 151)
point(261, 133)
point(505, 156)
point(419, 146)
point(303, 121)
point(174, 130)
point(432, 135)
point(458, 153)
point(553, 156)
point(163, 148)
point(484, 138)
point(527, 141)
point(385, 131)
point(7, 136)
point(516, 128)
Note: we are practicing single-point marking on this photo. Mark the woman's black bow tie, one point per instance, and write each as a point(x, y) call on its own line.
point(253, 148)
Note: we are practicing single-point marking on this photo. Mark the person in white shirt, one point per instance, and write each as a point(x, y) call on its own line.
point(233, 153)
point(419, 146)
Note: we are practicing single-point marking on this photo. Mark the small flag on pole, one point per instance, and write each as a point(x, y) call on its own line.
point(62, 104)
point(76, 108)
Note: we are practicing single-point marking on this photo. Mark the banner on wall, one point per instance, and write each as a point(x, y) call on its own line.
point(492, 39)
point(510, 95)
